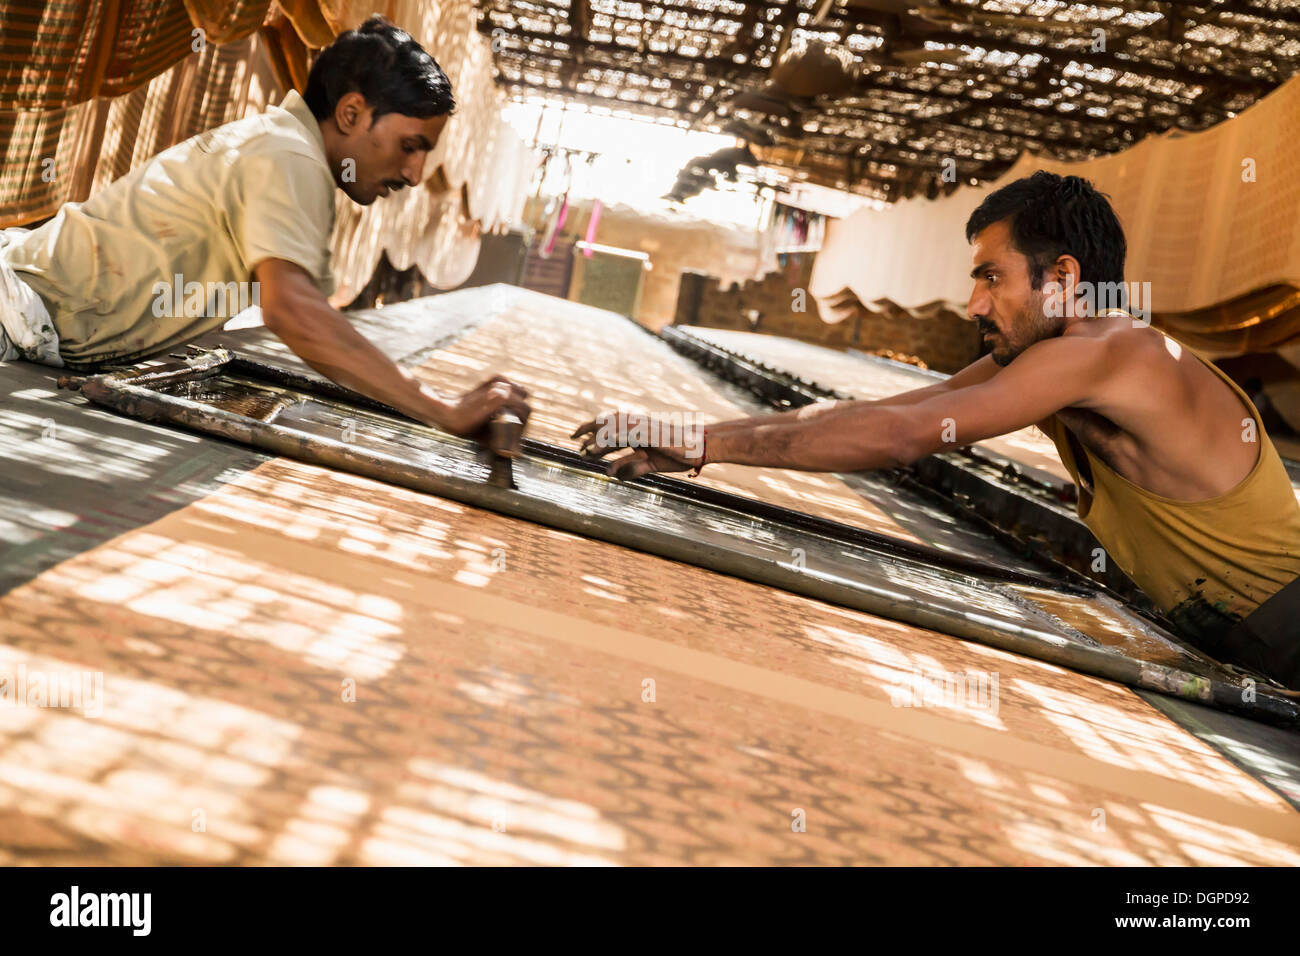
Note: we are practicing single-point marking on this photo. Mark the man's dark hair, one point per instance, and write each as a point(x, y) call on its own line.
point(1052, 216)
point(383, 64)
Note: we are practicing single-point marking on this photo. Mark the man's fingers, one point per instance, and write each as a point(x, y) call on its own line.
point(588, 434)
point(631, 466)
point(591, 448)
point(491, 401)
point(617, 422)
point(500, 380)
point(505, 395)
point(519, 407)
point(494, 406)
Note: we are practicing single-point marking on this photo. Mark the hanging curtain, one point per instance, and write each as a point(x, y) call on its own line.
point(592, 223)
point(557, 224)
point(1212, 221)
point(102, 85)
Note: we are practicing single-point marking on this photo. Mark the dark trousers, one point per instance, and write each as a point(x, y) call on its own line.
point(1268, 639)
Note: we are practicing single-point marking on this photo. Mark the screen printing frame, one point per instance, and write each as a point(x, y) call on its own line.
point(135, 392)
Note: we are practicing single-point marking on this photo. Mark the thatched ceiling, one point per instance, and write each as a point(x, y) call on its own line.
point(885, 97)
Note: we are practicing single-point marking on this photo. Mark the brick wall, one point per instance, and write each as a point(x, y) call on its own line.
point(945, 341)
point(549, 274)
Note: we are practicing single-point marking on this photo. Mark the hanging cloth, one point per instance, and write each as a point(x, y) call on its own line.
point(561, 214)
point(592, 223)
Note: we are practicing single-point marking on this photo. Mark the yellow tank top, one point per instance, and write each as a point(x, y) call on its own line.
point(1205, 563)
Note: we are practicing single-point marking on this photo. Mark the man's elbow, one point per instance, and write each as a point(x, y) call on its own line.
point(272, 318)
point(278, 318)
point(281, 299)
point(906, 455)
point(908, 441)
point(888, 438)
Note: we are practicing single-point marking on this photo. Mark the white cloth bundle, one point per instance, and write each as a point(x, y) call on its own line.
point(26, 329)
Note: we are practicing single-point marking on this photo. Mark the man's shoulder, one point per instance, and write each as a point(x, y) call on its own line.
point(276, 134)
point(1107, 343)
point(247, 148)
point(279, 161)
point(1117, 330)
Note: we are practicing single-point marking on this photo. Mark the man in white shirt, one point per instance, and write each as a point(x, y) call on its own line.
point(171, 250)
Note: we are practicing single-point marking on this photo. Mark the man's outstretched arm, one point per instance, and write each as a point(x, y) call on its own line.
point(1045, 378)
point(978, 371)
point(296, 311)
point(858, 436)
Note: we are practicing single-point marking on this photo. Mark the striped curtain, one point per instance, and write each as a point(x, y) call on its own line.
point(90, 89)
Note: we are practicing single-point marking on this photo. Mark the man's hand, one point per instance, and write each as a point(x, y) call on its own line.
point(654, 445)
point(295, 310)
point(469, 414)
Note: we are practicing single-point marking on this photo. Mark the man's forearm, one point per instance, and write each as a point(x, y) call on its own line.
point(820, 409)
point(807, 413)
point(328, 343)
point(859, 437)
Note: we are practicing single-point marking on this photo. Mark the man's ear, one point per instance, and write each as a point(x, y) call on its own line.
point(1068, 272)
point(1064, 285)
point(351, 113)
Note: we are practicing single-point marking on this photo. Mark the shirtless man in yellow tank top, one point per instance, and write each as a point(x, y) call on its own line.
point(1177, 478)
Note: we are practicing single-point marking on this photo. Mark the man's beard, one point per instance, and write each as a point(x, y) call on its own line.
point(1032, 325)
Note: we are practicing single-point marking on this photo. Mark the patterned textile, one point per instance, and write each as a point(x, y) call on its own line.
point(337, 671)
point(41, 151)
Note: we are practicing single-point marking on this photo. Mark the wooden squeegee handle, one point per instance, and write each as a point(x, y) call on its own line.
point(506, 434)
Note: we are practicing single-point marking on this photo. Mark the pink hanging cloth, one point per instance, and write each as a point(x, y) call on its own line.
point(592, 223)
point(559, 224)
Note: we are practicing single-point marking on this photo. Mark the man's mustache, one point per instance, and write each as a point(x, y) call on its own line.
point(986, 328)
